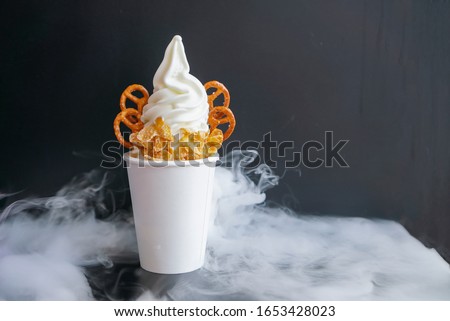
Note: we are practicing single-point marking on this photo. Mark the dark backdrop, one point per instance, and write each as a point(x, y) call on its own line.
point(374, 72)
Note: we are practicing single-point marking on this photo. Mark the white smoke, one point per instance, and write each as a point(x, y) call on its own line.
point(46, 244)
point(257, 252)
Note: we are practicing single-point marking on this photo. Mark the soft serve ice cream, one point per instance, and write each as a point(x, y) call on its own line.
point(178, 97)
point(179, 120)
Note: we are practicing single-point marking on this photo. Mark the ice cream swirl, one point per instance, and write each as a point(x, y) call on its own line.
point(178, 97)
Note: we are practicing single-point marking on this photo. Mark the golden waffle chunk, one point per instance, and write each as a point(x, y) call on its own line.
point(213, 142)
point(154, 140)
point(182, 153)
point(190, 145)
point(158, 129)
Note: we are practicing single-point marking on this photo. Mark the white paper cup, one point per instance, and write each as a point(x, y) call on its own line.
point(171, 206)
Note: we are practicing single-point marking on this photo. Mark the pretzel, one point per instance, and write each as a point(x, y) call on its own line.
point(222, 115)
point(124, 117)
point(220, 89)
point(130, 116)
point(128, 94)
point(139, 102)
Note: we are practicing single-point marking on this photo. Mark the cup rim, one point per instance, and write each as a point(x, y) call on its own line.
point(141, 162)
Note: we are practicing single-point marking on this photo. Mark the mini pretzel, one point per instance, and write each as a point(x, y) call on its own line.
point(139, 102)
point(220, 89)
point(222, 115)
point(124, 117)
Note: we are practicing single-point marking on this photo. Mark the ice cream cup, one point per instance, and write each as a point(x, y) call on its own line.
point(171, 203)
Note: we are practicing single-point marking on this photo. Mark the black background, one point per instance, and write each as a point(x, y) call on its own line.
point(374, 72)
